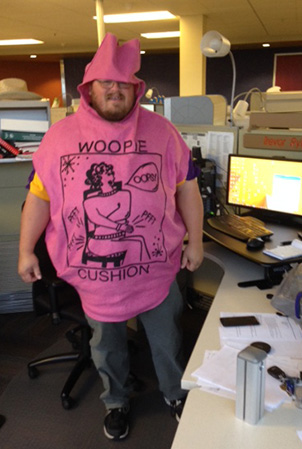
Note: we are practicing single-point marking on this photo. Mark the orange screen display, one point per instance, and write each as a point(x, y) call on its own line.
point(269, 184)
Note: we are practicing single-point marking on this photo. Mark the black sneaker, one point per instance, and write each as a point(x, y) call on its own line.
point(176, 407)
point(116, 426)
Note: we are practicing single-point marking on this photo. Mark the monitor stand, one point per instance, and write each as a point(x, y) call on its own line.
point(272, 276)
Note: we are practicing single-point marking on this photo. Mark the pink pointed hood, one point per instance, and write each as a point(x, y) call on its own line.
point(114, 62)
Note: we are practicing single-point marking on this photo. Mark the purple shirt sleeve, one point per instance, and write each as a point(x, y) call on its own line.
point(30, 178)
point(193, 171)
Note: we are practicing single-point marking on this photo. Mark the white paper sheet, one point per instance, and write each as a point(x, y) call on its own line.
point(217, 375)
point(282, 333)
point(219, 146)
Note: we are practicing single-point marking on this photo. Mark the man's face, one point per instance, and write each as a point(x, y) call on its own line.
point(112, 100)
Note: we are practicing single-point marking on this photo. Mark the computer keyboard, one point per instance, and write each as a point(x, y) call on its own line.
point(241, 228)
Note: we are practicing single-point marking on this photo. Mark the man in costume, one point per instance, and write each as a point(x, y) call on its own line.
point(114, 189)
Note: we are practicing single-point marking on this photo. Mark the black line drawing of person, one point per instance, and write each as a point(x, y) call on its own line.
point(107, 210)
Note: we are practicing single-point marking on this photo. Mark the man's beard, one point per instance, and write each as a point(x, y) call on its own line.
point(112, 114)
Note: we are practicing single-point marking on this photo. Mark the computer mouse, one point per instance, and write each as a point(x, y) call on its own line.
point(254, 244)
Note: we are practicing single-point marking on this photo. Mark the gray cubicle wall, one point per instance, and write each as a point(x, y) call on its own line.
point(15, 296)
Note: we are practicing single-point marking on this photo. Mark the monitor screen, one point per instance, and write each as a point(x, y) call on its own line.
point(273, 185)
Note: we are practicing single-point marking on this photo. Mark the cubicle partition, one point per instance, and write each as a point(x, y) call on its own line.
point(15, 296)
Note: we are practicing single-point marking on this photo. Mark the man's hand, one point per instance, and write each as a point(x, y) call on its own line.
point(28, 268)
point(192, 256)
point(34, 219)
point(190, 207)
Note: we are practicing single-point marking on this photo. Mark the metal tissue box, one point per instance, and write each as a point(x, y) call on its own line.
point(250, 384)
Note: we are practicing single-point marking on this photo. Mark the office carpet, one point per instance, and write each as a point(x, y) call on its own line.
point(35, 418)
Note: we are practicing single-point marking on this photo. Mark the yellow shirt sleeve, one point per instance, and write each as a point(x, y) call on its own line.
point(181, 183)
point(36, 187)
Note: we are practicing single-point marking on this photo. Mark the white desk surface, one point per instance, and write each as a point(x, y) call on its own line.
point(208, 420)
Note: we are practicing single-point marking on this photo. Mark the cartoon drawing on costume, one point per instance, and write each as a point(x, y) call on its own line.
point(117, 223)
point(107, 209)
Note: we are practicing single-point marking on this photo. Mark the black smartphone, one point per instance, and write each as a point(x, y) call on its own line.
point(248, 320)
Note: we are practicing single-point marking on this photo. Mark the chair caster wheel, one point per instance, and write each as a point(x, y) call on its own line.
point(68, 403)
point(33, 372)
point(75, 346)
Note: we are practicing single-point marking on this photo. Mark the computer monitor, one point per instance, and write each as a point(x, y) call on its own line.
point(273, 186)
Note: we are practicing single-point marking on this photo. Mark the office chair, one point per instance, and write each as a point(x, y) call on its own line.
point(54, 296)
point(57, 298)
point(2, 420)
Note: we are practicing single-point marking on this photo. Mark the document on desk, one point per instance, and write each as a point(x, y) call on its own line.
point(217, 375)
point(219, 146)
point(282, 333)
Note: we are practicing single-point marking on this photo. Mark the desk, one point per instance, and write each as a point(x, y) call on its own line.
point(281, 234)
point(272, 272)
point(209, 420)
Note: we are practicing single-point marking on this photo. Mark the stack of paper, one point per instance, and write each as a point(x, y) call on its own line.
point(282, 333)
point(217, 374)
point(284, 252)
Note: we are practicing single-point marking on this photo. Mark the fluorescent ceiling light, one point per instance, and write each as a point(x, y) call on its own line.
point(20, 42)
point(138, 17)
point(161, 35)
point(266, 45)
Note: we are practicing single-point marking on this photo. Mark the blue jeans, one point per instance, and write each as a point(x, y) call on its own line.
point(110, 355)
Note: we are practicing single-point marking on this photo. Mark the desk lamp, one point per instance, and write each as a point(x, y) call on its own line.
point(149, 95)
point(240, 117)
point(214, 45)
